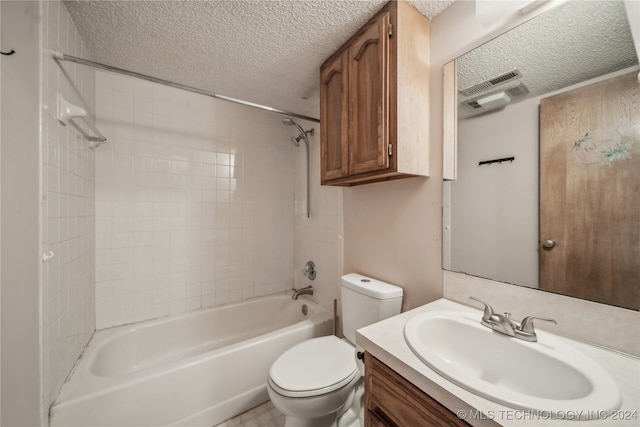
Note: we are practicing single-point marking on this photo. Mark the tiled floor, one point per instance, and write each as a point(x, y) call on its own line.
point(265, 415)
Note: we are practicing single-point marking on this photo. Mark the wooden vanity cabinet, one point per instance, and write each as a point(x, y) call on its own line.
point(392, 401)
point(374, 101)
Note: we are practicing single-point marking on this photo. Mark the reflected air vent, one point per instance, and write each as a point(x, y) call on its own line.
point(520, 90)
point(487, 84)
point(484, 102)
point(474, 104)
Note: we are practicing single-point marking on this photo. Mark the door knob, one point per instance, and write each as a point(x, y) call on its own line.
point(549, 244)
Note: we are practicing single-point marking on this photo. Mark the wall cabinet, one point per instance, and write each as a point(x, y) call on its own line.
point(374, 101)
point(392, 401)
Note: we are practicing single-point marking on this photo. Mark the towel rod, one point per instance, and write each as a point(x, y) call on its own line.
point(67, 112)
point(504, 159)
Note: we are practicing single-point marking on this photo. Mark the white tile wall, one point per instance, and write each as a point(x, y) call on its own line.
point(194, 202)
point(67, 214)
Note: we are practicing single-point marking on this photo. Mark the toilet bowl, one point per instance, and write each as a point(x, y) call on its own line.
point(313, 383)
point(318, 383)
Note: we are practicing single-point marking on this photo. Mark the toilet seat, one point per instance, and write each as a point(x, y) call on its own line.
point(314, 367)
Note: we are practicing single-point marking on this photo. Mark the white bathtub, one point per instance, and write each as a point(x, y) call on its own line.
point(195, 369)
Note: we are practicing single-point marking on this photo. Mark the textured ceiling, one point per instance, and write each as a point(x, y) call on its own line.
point(263, 51)
point(572, 43)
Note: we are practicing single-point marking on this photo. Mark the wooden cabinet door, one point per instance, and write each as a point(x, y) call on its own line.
point(392, 401)
point(369, 98)
point(334, 119)
point(589, 187)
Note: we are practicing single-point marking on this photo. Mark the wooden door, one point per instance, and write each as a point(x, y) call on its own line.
point(334, 119)
point(590, 192)
point(369, 98)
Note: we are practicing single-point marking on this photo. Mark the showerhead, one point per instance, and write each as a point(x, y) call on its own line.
point(289, 122)
point(303, 134)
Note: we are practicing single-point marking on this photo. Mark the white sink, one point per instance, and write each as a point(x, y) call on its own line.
point(548, 375)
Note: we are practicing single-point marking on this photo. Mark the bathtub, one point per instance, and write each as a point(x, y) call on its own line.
point(195, 369)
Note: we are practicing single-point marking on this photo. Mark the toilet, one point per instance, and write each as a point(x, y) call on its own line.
point(319, 382)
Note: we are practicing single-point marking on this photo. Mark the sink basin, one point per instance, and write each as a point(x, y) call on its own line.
point(548, 375)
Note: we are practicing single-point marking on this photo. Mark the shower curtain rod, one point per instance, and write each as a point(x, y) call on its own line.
point(65, 57)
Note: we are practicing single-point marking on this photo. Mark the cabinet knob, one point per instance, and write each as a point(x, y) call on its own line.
point(549, 244)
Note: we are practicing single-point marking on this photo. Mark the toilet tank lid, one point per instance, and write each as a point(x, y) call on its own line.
point(371, 287)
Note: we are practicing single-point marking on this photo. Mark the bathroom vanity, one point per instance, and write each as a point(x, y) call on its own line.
point(391, 400)
point(402, 390)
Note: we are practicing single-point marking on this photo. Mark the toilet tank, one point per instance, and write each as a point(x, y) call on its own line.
point(366, 301)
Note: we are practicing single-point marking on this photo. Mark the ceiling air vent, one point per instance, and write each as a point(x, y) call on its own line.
point(487, 84)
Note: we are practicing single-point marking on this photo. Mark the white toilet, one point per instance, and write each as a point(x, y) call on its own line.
point(318, 383)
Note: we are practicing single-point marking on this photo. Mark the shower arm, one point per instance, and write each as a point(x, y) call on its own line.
point(302, 132)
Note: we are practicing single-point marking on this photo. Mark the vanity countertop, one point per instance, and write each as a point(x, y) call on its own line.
point(385, 340)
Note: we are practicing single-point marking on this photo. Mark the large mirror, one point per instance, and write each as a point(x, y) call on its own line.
point(547, 193)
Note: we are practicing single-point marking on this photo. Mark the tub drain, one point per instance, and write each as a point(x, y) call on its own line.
point(305, 310)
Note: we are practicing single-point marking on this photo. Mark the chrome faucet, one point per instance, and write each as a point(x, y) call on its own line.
point(502, 323)
point(304, 291)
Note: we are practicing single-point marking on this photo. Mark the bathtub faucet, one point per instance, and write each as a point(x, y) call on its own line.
point(304, 291)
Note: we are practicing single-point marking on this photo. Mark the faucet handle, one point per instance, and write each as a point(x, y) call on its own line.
point(488, 311)
point(527, 323)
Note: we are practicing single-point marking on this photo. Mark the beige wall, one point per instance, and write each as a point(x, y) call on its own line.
point(392, 232)
point(493, 222)
point(0, 227)
point(20, 274)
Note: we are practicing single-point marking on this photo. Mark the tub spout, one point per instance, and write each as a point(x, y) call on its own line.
point(304, 291)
